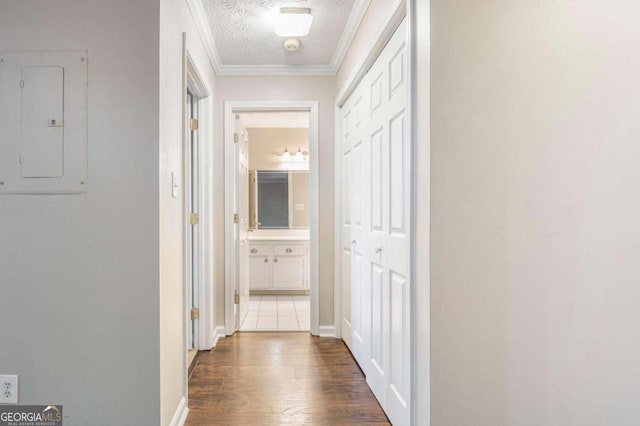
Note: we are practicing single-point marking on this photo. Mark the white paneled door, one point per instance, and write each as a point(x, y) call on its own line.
point(376, 170)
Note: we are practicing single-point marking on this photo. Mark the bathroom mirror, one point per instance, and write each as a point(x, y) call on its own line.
point(279, 199)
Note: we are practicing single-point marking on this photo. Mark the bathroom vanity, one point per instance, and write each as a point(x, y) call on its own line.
point(279, 263)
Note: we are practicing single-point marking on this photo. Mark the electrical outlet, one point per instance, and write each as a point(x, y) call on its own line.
point(8, 389)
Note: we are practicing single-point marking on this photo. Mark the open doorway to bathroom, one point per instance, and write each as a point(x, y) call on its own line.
point(271, 221)
point(278, 238)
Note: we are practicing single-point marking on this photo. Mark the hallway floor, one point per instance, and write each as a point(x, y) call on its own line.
point(280, 379)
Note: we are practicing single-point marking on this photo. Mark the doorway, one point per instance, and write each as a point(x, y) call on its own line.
point(278, 221)
point(271, 238)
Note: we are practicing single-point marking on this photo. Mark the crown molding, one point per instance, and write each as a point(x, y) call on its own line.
point(202, 25)
point(353, 23)
point(258, 70)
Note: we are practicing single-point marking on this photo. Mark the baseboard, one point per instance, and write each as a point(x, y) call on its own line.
point(218, 333)
point(327, 331)
point(180, 416)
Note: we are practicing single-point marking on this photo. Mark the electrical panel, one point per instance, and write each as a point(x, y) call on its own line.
point(43, 122)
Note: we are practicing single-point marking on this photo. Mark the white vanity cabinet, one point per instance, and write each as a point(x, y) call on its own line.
point(279, 265)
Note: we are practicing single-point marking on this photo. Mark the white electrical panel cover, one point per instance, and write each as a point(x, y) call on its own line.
point(43, 122)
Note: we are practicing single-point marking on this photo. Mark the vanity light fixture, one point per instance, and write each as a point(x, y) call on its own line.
point(293, 22)
point(286, 156)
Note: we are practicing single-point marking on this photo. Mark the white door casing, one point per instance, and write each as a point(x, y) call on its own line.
point(230, 258)
point(191, 194)
point(376, 185)
point(242, 227)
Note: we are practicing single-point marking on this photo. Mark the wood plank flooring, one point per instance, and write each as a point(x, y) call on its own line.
point(280, 379)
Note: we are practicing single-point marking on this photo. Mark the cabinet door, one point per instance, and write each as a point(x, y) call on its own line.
point(288, 272)
point(259, 273)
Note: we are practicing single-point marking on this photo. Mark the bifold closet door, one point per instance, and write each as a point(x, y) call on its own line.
point(376, 240)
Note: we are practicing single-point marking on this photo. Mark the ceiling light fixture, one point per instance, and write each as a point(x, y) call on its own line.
point(293, 22)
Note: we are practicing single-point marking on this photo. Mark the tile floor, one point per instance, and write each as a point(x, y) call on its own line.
point(287, 313)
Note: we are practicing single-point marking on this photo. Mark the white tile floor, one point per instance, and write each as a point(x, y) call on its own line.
point(277, 313)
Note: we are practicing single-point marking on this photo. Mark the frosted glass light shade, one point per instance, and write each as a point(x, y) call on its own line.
point(293, 22)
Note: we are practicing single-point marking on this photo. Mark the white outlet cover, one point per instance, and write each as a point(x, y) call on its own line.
point(9, 389)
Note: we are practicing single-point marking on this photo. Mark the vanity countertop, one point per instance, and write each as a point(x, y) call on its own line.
point(282, 238)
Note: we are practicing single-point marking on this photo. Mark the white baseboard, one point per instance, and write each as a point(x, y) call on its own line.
point(180, 416)
point(218, 333)
point(327, 331)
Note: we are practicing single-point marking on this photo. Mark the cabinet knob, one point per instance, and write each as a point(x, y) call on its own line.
point(275, 260)
point(266, 260)
point(254, 250)
point(378, 250)
point(288, 250)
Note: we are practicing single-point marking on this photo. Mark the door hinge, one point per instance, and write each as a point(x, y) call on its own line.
point(195, 313)
point(236, 138)
point(236, 298)
point(236, 218)
point(194, 219)
point(193, 124)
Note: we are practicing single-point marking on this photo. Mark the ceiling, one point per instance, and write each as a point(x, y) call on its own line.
point(244, 42)
point(262, 120)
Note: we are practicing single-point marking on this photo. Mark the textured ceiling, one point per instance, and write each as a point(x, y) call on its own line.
point(243, 35)
point(291, 120)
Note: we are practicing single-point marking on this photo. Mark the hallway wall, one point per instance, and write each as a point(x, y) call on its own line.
point(283, 88)
point(535, 208)
point(79, 273)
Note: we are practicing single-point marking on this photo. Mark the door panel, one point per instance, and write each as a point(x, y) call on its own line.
point(259, 272)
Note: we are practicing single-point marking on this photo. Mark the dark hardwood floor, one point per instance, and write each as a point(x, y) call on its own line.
point(280, 379)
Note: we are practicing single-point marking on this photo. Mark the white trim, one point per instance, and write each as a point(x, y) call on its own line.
point(230, 109)
point(377, 45)
point(337, 224)
point(218, 333)
point(180, 416)
point(202, 24)
point(353, 23)
point(327, 331)
point(262, 70)
point(202, 90)
point(419, 42)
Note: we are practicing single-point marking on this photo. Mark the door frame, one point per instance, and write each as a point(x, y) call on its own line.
point(419, 186)
point(230, 110)
point(199, 87)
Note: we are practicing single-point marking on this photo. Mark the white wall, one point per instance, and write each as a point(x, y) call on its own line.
point(175, 18)
point(535, 208)
point(79, 273)
point(286, 88)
